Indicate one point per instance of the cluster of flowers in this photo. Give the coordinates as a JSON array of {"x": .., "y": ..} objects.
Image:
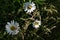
[{"x": 13, "y": 27}]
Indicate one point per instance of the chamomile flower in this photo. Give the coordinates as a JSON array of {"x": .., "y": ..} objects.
[
  {"x": 36, "y": 24},
  {"x": 29, "y": 7},
  {"x": 12, "y": 27}
]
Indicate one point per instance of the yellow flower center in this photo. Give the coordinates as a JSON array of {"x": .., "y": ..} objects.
[
  {"x": 29, "y": 7},
  {"x": 36, "y": 23},
  {"x": 12, "y": 28}
]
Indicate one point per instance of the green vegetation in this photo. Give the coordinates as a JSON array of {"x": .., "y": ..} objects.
[{"x": 48, "y": 10}]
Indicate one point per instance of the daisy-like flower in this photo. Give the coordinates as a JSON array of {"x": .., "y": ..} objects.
[
  {"x": 12, "y": 28},
  {"x": 29, "y": 7},
  {"x": 36, "y": 24}
]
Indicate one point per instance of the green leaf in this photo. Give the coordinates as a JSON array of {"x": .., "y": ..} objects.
[
  {"x": 40, "y": 1},
  {"x": 17, "y": 0}
]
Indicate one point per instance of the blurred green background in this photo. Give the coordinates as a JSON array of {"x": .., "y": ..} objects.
[{"x": 13, "y": 10}]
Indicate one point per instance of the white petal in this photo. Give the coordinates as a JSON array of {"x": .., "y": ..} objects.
[
  {"x": 40, "y": 23},
  {"x": 8, "y": 23},
  {"x": 36, "y": 26},
  {"x": 7, "y": 26},
  {"x": 8, "y": 30},
  {"x": 12, "y": 22},
  {"x": 16, "y": 32},
  {"x": 16, "y": 24},
  {"x": 33, "y": 4},
  {"x": 25, "y": 9},
  {"x": 34, "y": 7},
  {"x": 28, "y": 11}
]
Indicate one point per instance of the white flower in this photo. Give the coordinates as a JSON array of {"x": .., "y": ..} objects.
[
  {"x": 36, "y": 24},
  {"x": 12, "y": 28},
  {"x": 29, "y": 7}
]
